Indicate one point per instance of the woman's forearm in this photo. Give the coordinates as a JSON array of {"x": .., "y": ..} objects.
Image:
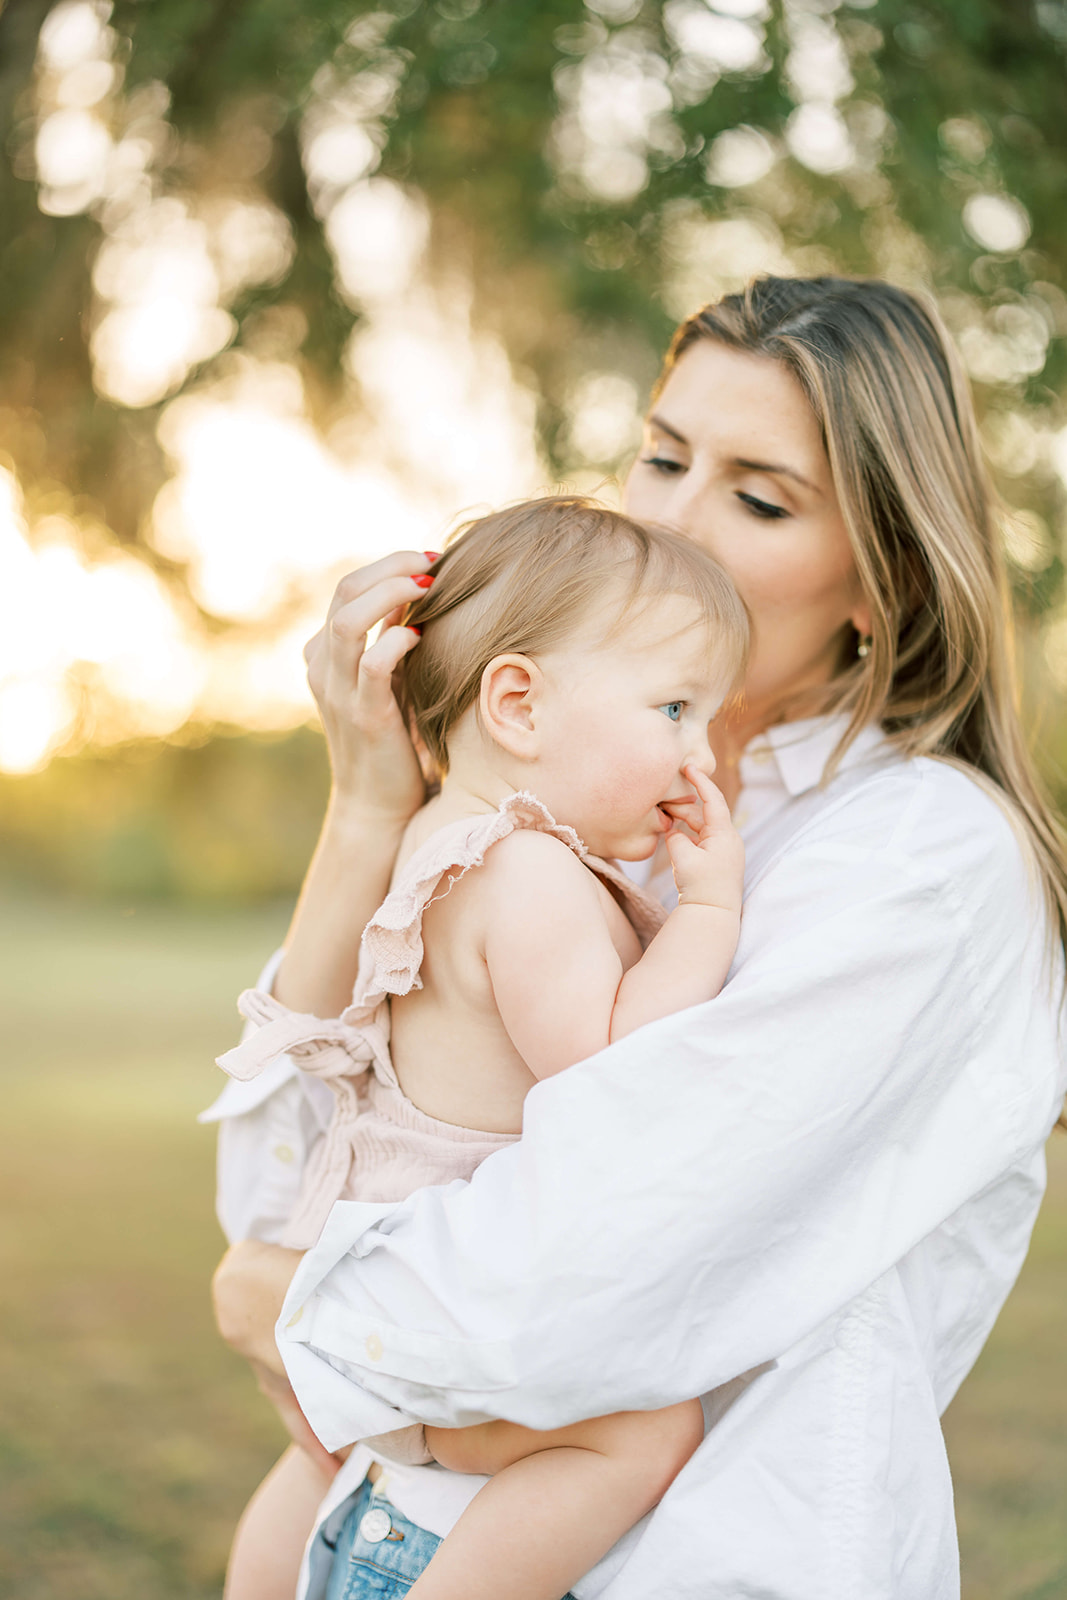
[
  {"x": 378, "y": 783},
  {"x": 248, "y": 1289},
  {"x": 346, "y": 882}
]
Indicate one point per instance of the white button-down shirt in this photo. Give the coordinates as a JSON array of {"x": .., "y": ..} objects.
[{"x": 805, "y": 1201}]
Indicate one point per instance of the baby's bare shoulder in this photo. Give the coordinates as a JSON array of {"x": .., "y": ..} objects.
[
  {"x": 529, "y": 863},
  {"x": 528, "y": 849}
]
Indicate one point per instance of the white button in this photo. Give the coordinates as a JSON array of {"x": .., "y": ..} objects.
[
  {"x": 376, "y": 1525},
  {"x": 283, "y": 1153},
  {"x": 373, "y": 1346},
  {"x": 295, "y": 1318}
]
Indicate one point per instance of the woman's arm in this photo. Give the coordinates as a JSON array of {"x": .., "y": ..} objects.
[
  {"x": 886, "y": 1050},
  {"x": 377, "y": 783},
  {"x": 249, "y": 1286},
  {"x": 268, "y": 1127}
]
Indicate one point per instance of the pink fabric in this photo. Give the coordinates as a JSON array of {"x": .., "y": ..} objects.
[{"x": 380, "y": 1145}]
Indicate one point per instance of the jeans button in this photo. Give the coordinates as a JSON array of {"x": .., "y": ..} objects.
[{"x": 375, "y": 1525}]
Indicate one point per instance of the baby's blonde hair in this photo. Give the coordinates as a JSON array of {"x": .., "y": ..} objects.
[{"x": 526, "y": 579}]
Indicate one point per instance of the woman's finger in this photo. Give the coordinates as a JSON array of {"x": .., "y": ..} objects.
[
  {"x": 371, "y": 755},
  {"x": 374, "y": 683},
  {"x": 315, "y": 661},
  {"x": 333, "y": 656},
  {"x": 398, "y": 564},
  {"x": 358, "y": 616}
]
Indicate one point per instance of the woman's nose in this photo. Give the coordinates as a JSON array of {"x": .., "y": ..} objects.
[
  {"x": 690, "y": 511},
  {"x": 680, "y": 503}
]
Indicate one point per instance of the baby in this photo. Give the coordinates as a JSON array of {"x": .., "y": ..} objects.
[{"x": 569, "y": 663}]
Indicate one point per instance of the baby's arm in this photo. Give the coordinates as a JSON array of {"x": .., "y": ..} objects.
[
  {"x": 553, "y": 965},
  {"x": 558, "y": 979},
  {"x": 689, "y": 958}
]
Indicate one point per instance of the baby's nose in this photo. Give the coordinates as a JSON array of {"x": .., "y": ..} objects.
[{"x": 703, "y": 757}]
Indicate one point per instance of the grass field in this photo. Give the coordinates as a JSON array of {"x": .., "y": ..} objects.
[{"x": 129, "y": 1438}]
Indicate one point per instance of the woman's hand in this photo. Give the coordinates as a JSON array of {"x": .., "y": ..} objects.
[
  {"x": 377, "y": 782},
  {"x": 376, "y": 772},
  {"x": 280, "y": 1394},
  {"x": 249, "y": 1288}
]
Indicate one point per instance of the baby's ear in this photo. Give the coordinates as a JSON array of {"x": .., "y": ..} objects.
[{"x": 511, "y": 687}]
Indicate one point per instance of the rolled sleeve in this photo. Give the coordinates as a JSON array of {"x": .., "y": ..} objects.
[{"x": 267, "y": 1128}]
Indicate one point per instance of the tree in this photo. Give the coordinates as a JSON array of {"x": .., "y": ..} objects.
[{"x": 590, "y": 170}]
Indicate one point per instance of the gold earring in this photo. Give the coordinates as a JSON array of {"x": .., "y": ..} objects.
[{"x": 863, "y": 649}]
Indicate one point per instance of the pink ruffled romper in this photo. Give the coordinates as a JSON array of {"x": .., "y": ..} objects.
[{"x": 379, "y": 1144}]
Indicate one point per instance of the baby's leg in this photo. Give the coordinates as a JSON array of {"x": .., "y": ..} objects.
[
  {"x": 274, "y": 1528},
  {"x": 557, "y": 1502}
]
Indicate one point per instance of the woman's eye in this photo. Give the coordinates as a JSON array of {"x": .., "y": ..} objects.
[
  {"x": 664, "y": 464},
  {"x": 761, "y": 508},
  {"x": 673, "y": 709}
]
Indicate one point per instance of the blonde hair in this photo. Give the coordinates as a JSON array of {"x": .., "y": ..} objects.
[
  {"x": 897, "y": 419},
  {"x": 525, "y": 580}
]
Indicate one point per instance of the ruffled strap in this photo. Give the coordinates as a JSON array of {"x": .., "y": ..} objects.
[
  {"x": 338, "y": 1051},
  {"x": 392, "y": 946}
]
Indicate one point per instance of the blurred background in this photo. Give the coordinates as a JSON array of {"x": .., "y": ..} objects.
[{"x": 283, "y": 287}]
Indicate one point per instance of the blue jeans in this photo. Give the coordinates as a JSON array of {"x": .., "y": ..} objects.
[{"x": 379, "y": 1567}]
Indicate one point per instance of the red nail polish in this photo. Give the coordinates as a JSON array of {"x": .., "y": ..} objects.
[
  {"x": 414, "y": 628},
  {"x": 432, "y": 555},
  {"x": 423, "y": 580}
]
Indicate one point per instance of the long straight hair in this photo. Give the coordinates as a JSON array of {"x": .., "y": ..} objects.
[{"x": 886, "y": 386}]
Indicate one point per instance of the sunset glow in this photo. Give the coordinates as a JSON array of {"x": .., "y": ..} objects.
[{"x": 271, "y": 492}]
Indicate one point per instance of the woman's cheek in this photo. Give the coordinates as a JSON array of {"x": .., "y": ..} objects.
[{"x": 787, "y": 640}]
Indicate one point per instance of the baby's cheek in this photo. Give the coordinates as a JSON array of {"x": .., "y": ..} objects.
[{"x": 634, "y": 788}]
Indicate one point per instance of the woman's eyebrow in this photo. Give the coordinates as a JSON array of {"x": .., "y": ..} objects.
[
  {"x": 785, "y": 472},
  {"x": 656, "y": 421}
]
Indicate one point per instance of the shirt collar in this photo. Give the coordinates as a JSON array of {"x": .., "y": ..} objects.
[{"x": 801, "y": 750}]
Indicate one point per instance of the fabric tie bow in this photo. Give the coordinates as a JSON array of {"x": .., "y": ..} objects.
[{"x": 335, "y": 1050}]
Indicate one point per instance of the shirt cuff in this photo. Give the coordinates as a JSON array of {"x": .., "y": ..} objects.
[
  {"x": 310, "y": 1325},
  {"x": 352, "y": 1369}
]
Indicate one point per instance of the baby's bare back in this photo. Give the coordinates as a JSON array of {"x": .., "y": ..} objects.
[{"x": 454, "y": 1056}]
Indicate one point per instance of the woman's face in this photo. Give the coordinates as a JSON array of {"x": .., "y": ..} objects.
[{"x": 732, "y": 458}]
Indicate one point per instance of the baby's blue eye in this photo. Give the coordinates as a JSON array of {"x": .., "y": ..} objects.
[{"x": 673, "y": 709}]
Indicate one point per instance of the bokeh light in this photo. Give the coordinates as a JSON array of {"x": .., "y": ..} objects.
[
  {"x": 270, "y": 492},
  {"x": 95, "y": 648},
  {"x": 258, "y": 503},
  {"x": 997, "y": 221}
]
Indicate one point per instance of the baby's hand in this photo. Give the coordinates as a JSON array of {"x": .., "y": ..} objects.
[{"x": 711, "y": 870}]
